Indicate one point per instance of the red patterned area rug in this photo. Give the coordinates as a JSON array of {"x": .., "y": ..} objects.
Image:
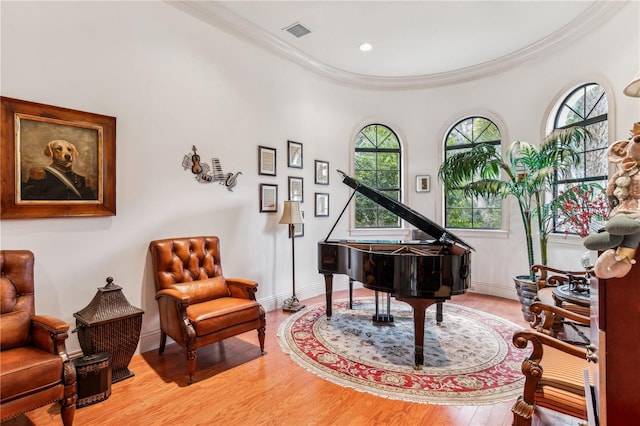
[{"x": 469, "y": 358}]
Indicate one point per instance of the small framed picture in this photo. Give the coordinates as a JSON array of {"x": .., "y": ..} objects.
[
  {"x": 266, "y": 161},
  {"x": 298, "y": 228},
  {"x": 296, "y": 191},
  {"x": 295, "y": 154},
  {"x": 423, "y": 183},
  {"x": 322, "y": 204},
  {"x": 268, "y": 198},
  {"x": 322, "y": 173}
]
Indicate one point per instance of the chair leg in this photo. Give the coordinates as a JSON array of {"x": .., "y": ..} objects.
[
  {"x": 261, "y": 333},
  {"x": 191, "y": 364},
  {"x": 522, "y": 413},
  {"x": 163, "y": 342},
  {"x": 68, "y": 413},
  {"x": 70, "y": 394}
]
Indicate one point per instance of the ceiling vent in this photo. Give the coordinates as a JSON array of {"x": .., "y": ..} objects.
[{"x": 297, "y": 29}]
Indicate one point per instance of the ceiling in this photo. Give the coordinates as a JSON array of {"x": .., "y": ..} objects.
[{"x": 415, "y": 43}]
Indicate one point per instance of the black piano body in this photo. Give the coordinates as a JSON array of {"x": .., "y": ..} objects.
[{"x": 419, "y": 273}]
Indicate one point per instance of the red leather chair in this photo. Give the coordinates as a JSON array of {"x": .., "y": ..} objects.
[
  {"x": 197, "y": 304},
  {"x": 35, "y": 369}
]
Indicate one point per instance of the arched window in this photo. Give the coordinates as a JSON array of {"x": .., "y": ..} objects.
[
  {"x": 377, "y": 164},
  {"x": 460, "y": 211},
  {"x": 584, "y": 106}
]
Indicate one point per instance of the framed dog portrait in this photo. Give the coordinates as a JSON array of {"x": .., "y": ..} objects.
[{"x": 56, "y": 162}]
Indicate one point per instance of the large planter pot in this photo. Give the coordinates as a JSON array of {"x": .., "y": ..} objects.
[{"x": 527, "y": 292}]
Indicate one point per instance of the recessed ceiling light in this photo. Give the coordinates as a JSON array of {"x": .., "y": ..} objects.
[{"x": 365, "y": 47}]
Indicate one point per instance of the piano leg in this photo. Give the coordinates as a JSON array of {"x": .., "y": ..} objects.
[
  {"x": 419, "y": 307},
  {"x": 439, "y": 313},
  {"x": 350, "y": 293},
  {"x": 328, "y": 289}
]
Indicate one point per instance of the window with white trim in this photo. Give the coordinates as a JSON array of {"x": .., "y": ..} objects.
[
  {"x": 585, "y": 106},
  {"x": 377, "y": 164},
  {"x": 477, "y": 212}
]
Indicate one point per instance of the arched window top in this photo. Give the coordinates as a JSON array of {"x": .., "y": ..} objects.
[
  {"x": 472, "y": 131},
  {"x": 377, "y": 136},
  {"x": 584, "y": 105}
]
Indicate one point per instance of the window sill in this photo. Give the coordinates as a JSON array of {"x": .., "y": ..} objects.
[
  {"x": 480, "y": 233},
  {"x": 384, "y": 233},
  {"x": 573, "y": 240}
]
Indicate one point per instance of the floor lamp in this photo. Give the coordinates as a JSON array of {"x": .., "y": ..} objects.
[{"x": 292, "y": 217}]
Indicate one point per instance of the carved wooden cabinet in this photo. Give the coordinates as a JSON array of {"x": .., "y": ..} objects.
[{"x": 615, "y": 331}]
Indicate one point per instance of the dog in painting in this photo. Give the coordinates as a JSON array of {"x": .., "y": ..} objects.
[{"x": 57, "y": 181}]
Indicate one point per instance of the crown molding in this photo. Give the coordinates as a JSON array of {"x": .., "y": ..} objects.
[{"x": 215, "y": 14}]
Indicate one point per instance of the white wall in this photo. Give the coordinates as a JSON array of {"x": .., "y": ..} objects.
[{"x": 172, "y": 81}]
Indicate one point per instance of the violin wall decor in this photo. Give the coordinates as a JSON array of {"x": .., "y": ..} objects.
[{"x": 206, "y": 173}]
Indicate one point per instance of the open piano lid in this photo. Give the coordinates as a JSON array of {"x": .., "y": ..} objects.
[{"x": 404, "y": 212}]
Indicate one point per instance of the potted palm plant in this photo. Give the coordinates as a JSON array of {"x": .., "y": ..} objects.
[{"x": 526, "y": 173}]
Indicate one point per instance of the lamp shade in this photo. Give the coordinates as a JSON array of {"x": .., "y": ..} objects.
[
  {"x": 633, "y": 88},
  {"x": 291, "y": 213}
]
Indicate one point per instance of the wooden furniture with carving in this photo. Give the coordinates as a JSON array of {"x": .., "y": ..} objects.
[
  {"x": 198, "y": 305},
  {"x": 572, "y": 329},
  {"x": 35, "y": 369},
  {"x": 615, "y": 332},
  {"x": 553, "y": 282},
  {"x": 552, "y": 278},
  {"x": 554, "y": 371}
]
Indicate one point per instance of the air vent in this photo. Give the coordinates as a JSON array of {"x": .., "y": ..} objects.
[{"x": 297, "y": 29}]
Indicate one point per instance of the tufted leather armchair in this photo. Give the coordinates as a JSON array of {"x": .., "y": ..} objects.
[
  {"x": 197, "y": 304},
  {"x": 35, "y": 369}
]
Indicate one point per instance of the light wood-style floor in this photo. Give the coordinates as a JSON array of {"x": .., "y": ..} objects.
[{"x": 234, "y": 385}]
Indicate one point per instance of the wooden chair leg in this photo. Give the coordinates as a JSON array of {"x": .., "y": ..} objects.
[
  {"x": 261, "y": 334},
  {"x": 163, "y": 342},
  {"x": 68, "y": 413},
  {"x": 522, "y": 412},
  {"x": 191, "y": 364},
  {"x": 70, "y": 394}
]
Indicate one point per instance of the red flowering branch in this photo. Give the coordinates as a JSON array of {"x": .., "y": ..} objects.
[{"x": 582, "y": 210}]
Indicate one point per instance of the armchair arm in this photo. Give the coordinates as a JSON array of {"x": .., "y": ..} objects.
[
  {"x": 538, "y": 307},
  {"x": 539, "y": 340},
  {"x": 545, "y": 323},
  {"x": 555, "y": 280},
  {"x": 242, "y": 288},
  {"x": 174, "y": 322},
  {"x": 49, "y": 334},
  {"x": 173, "y": 294}
]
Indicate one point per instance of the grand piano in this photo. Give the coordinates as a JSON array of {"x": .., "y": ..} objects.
[{"x": 418, "y": 272}]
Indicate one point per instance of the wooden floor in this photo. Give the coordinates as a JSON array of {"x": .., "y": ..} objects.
[{"x": 234, "y": 385}]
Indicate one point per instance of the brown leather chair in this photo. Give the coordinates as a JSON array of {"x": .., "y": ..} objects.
[
  {"x": 197, "y": 304},
  {"x": 35, "y": 369},
  {"x": 554, "y": 372}
]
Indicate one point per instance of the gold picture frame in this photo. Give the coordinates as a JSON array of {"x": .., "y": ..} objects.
[{"x": 56, "y": 162}]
